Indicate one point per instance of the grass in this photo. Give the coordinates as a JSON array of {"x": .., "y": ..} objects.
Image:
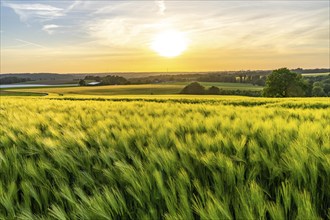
[
  {"x": 156, "y": 89},
  {"x": 51, "y": 82},
  {"x": 315, "y": 74},
  {"x": 19, "y": 93},
  {"x": 109, "y": 90},
  {"x": 167, "y": 157},
  {"x": 224, "y": 85}
]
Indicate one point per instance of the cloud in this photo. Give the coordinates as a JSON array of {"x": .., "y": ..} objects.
[
  {"x": 35, "y": 11},
  {"x": 28, "y": 43},
  {"x": 116, "y": 32},
  {"x": 259, "y": 29},
  {"x": 50, "y": 28},
  {"x": 161, "y": 6},
  {"x": 72, "y": 6}
]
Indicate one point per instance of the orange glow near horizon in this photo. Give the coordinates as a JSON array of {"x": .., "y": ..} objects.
[
  {"x": 148, "y": 61},
  {"x": 172, "y": 36}
]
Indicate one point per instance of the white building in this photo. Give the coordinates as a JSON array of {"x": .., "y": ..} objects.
[{"x": 93, "y": 83}]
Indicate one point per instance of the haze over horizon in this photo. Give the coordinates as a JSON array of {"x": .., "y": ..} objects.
[{"x": 129, "y": 36}]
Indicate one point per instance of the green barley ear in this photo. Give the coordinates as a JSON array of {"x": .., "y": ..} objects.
[
  {"x": 275, "y": 211},
  {"x": 26, "y": 215},
  {"x": 58, "y": 213}
]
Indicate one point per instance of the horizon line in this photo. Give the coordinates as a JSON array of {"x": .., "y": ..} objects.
[{"x": 139, "y": 72}]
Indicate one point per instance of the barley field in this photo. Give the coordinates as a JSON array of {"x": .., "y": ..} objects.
[{"x": 183, "y": 157}]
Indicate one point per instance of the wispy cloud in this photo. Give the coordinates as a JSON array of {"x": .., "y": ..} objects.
[
  {"x": 252, "y": 31},
  {"x": 28, "y": 43},
  {"x": 72, "y": 6},
  {"x": 35, "y": 11},
  {"x": 119, "y": 32},
  {"x": 50, "y": 28},
  {"x": 161, "y": 6}
]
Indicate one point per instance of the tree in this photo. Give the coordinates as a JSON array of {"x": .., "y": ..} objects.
[
  {"x": 94, "y": 78},
  {"x": 284, "y": 83},
  {"x": 213, "y": 90},
  {"x": 318, "y": 91},
  {"x": 193, "y": 88},
  {"x": 82, "y": 82},
  {"x": 114, "y": 80},
  {"x": 258, "y": 80},
  {"x": 326, "y": 88}
]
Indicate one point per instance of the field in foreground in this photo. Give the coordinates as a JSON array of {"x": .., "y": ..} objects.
[{"x": 164, "y": 158}]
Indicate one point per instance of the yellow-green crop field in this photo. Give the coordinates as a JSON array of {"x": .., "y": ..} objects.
[{"x": 179, "y": 157}]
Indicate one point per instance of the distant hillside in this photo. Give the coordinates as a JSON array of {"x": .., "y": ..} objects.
[
  {"x": 300, "y": 70},
  {"x": 42, "y": 76},
  {"x": 155, "y": 77}
]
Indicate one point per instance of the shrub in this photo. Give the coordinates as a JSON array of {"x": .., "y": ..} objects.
[
  {"x": 193, "y": 88},
  {"x": 213, "y": 90}
]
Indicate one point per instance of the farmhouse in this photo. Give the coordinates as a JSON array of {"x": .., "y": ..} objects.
[{"x": 93, "y": 83}]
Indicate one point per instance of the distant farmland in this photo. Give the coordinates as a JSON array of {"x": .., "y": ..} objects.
[
  {"x": 160, "y": 89},
  {"x": 315, "y": 74}
]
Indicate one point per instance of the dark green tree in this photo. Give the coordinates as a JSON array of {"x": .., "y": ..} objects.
[
  {"x": 284, "y": 83},
  {"x": 326, "y": 88},
  {"x": 318, "y": 91},
  {"x": 114, "y": 80},
  {"x": 193, "y": 88},
  {"x": 261, "y": 81},
  {"x": 213, "y": 90},
  {"x": 82, "y": 82}
]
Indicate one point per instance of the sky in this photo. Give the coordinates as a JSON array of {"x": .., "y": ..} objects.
[{"x": 116, "y": 36}]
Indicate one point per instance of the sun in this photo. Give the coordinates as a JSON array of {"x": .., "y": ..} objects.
[{"x": 169, "y": 43}]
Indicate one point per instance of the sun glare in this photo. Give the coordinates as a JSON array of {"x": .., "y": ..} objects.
[{"x": 169, "y": 43}]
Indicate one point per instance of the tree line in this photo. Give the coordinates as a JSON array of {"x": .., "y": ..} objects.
[
  {"x": 280, "y": 83},
  {"x": 253, "y": 77},
  {"x": 107, "y": 80},
  {"x": 12, "y": 80},
  {"x": 198, "y": 89},
  {"x": 285, "y": 83}
]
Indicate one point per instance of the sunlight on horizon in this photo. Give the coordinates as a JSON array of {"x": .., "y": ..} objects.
[
  {"x": 169, "y": 44},
  {"x": 100, "y": 36}
]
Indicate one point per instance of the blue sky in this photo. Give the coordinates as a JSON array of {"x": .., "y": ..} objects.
[{"x": 99, "y": 36}]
